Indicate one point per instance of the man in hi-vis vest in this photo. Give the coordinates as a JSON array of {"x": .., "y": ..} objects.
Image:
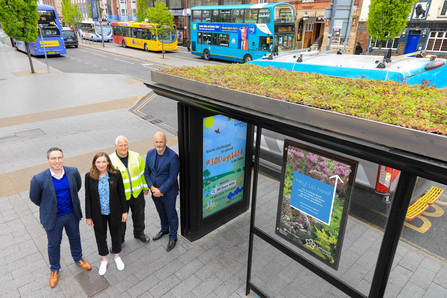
[{"x": 131, "y": 166}]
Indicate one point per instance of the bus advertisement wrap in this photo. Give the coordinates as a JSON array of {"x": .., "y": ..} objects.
[
  {"x": 315, "y": 190},
  {"x": 224, "y": 147}
]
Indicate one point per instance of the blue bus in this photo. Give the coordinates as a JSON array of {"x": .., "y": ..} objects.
[
  {"x": 241, "y": 33},
  {"x": 51, "y": 31}
]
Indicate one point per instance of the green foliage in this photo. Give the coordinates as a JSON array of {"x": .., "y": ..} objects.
[
  {"x": 418, "y": 107},
  {"x": 206, "y": 173},
  {"x": 142, "y": 6},
  {"x": 19, "y": 19},
  {"x": 90, "y": 11},
  {"x": 72, "y": 17},
  {"x": 163, "y": 20},
  {"x": 387, "y": 18},
  {"x": 327, "y": 243}
]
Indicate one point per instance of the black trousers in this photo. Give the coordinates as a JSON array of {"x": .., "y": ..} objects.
[
  {"x": 101, "y": 236},
  {"x": 136, "y": 206}
]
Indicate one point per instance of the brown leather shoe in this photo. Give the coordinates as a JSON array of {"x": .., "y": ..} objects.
[
  {"x": 84, "y": 264},
  {"x": 54, "y": 278}
]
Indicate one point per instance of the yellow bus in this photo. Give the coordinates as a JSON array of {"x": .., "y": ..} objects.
[{"x": 143, "y": 36}]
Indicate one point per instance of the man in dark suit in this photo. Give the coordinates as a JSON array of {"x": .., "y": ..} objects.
[
  {"x": 162, "y": 168},
  {"x": 55, "y": 191}
]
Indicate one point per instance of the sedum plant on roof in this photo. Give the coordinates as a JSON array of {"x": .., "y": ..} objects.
[{"x": 417, "y": 107}]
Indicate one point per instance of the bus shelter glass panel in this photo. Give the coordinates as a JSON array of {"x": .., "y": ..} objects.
[
  {"x": 420, "y": 267},
  {"x": 293, "y": 208}
]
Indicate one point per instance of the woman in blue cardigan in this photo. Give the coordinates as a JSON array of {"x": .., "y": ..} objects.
[{"x": 105, "y": 204}]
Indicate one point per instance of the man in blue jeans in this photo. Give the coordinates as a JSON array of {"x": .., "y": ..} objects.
[{"x": 55, "y": 191}]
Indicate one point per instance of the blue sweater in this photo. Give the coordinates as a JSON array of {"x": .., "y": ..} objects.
[{"x": 64, "y": 203}]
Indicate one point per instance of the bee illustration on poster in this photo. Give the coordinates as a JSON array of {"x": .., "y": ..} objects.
[{"x": 316, "y": 187}]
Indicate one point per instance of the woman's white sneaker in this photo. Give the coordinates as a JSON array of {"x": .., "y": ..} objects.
[
  {"x": 119, "y": 264},
  {"x": 103, "y": 268}
]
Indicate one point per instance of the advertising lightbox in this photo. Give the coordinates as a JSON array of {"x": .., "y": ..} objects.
[
  {"x": 315, "y": 190},
  {"x": 224, "y": 149}
]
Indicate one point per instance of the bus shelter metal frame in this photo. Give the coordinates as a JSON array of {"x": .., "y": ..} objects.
[{"x": 411, "y": 165}]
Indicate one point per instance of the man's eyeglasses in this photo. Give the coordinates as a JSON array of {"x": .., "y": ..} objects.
[{"x": 56, "y": 158}]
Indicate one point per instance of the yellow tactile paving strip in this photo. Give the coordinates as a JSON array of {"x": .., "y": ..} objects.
[
  {"x": 116, "y": 104},
  {"x": 18, "y": 181}
]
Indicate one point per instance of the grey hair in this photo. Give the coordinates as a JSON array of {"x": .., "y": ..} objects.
[{"x": 119, "y": 137}]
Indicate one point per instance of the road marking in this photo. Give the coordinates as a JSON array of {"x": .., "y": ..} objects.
[
  {"x": 438, "y": 211},
  {"x": 99, "y": 54},
  {"x": 426, "y": 224},
  {"x": 82, "y": 50},
  {"x": 137, "y": 109},
  {"x": 124, "y": 61},
  {"x": 150, "y": 67}
]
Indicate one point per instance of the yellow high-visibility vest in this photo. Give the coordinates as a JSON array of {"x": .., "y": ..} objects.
[{"x": 133, "y": 175}]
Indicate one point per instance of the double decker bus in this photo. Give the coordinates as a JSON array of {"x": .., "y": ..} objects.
[
  {"x": 49, "y": 33},
  {"x": 143, "y": 36},
  {"x": 241, "y": 33},
  {"x": 92, "y": 31}
]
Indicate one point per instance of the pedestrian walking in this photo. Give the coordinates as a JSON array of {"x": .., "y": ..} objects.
[
  {"x": 358, "y": 49},
  {"x": 105, "y": 204},
  {"x": 55, "y": 191},
  {"x": 131, "y": 166},
  {"x": 162, "y": 168}
]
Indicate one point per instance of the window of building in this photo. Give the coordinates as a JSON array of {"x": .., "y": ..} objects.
[
  {"x": 444, "y": 9},
  {"x": 437, "y": 41},
  {"x": 210, "y": 2},
  {"x": 387, "y": 44},
  {"x": 309, "y": 27},
  {"x": 175, "y": 3},
  {"x": 194, "y": 3}
]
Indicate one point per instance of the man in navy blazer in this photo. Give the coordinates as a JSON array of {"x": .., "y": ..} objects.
[
  {"x": 162, "y": 168},
  {"x": 55, "y": 191}
]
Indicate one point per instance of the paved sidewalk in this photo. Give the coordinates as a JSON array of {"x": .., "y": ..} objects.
[{"x": 37, "y": 113}]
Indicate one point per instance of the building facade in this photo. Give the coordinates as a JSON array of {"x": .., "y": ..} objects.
[{"x": 426, "y": 30}]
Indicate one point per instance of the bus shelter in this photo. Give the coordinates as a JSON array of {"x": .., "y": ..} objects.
[{"x": 335, "y": 139}]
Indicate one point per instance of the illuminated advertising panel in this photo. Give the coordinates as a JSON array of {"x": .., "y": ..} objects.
[{"x": 224, "y": 148}]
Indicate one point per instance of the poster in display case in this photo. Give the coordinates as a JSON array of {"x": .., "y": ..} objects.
[{"x": 315, "y": 190}]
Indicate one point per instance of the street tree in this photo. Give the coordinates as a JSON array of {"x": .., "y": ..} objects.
[
  {"x": 19, "y": 19},
  {"x": 72, "y": 16},
  {"x": 387, "y": 19},
  {"x": 142, "y": 5},
  {"x": 163, "y": 20}
]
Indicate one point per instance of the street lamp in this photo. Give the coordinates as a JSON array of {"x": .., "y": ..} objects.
[{"x": 305, "y": 16}]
